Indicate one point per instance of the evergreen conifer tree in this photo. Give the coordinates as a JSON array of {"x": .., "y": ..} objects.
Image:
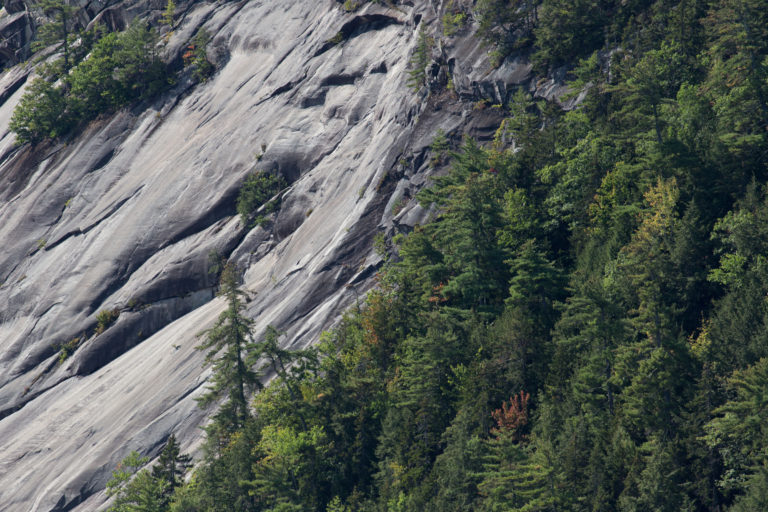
[
  {"x": 170, "y": 467},
  {"x": 229, "y": 344},
  {"x": 60, "y": 28}
]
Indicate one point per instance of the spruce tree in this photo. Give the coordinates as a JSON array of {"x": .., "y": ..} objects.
[
  {"x": 170, "y": 467},
  {"x": 419, "y": 60},
  {"x": 60, "y": 28},
  {"x": 132, "y": 491},
  {"x": 228, "y": 344}
]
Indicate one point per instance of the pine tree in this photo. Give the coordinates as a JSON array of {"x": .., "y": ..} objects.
[
  {"x": 505, "y": 24},
  {"x": 132, "y": 491},
  {"x": 536, "y": 284},
  {"x": 567, "y": 29},
  {"x": 458, "y": 259},
  {"x": 657, "y": 486},
  {"x": 168, "y": 14},
  {"x": 417, "y": 76},
  {"x": 586, "y": 336},
  {"x": 654, "y": 367},
  {"x": 290, "y": 366},
  {"x": 736, "y": 59},
  {"x": 41, "y": 113},
  {"x": 420, "y": 407},
  {"x": 515, "y": 478},
  {"x": 740, "y": 430},
  {"x": 229, "y": 345},
  {"x": 170, "y": 467},
  {"x": 60, "y": 28},
  {"x": 654, "y": 79},
  {"x": 456, "y": 469}
]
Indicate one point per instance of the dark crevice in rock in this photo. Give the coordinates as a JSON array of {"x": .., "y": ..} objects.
[
  {"x": 12, "y": 88},
  {"x": 335, "y": 80},
  {"x": 28, "y": 397},
  {"x": 162, "y": 304},
  {"x": 357, "y": 26},
  {"x": 359, "y": 240},
  {"x": 16, "y": 31},
  {"x": 65, "y": 506},
  {"x": 324, "y": 281},
  {"x": 224, "y": 207},
  {"x": 365, "y": 274},
  {"x": 104, "y": 160},
  {"x": 133, "y": 328},
  {"x": 16, "y": 176},
  {"x": 4, "y": 278},
  {"x": 82, "y": 231},
  {"x": 151, "y": 317},
  {"x": 283, "y": 89},
  {"x": 381, "y": 68},
  {"x": 315, "y": 100},
  {"x": 286, "y": 87},
  {"x": 346, "y": 261}
]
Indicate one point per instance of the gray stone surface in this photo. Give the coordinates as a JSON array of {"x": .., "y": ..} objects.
[{"x": 126, "y": 215}]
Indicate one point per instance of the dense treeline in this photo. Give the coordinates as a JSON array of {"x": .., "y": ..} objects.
[{"x": 582, "y": 327}]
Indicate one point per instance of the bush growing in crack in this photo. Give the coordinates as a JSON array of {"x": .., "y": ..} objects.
[
  {"x": 258, "y": 190},
  {"x": 351, "y": 5},
  {"x": 105, "y": 318},
  {"x": 68, "y": 348},
  {"x": 196, "y": 56},
  {"x": 398, "y": 206},
  {"x": 454, "y": 19},
  {"x": 439, "y": 147}
]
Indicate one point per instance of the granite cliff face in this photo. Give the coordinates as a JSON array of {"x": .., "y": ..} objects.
[{"x": 125, "y": 216}]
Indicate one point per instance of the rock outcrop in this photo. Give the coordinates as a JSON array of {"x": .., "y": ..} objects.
[{"x": 126, "y": 217}]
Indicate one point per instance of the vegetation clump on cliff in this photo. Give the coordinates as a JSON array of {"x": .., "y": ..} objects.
[
  {"x": 97, "y": 72},
  {"x": 120, "y": 68}
]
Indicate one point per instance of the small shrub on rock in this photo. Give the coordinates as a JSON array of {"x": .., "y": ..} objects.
[
  {"x": 257, "y": 190},
  {"x": 105, "y": 318}
]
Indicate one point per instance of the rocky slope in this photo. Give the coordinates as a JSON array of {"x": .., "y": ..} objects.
[{"x": 126, "y": 215}]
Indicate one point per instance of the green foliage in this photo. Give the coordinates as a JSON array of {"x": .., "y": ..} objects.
[
  {"x": 351, "y": 5},
  {"x": 196, "y": 56},
  {"x": 230, "y": 350},
  {"x": 169, "y": 470},
  {"x": 258, "y": 190},
  {"x": 41, "y": 113},
  {"x": 438, "y": 147},
  {"x": 105, "y": 318},
  {"x": 170, "y": 11},
  {"x": 505, "y": 25},
  {"x": 68, "y": 348},
  {"x": 739, "y": 430},
  {"x": 59, "y": 30},
  {"x": 567, "y": 30},
  {"x": 147, "y": 490},
  {"x": 288, "y": 459},
  {"x": 417, "y": 76},
  {"x": 134, "y": 491},
  {"x": 454, "y": 19},
  {"x": 121, "y": 68}
]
